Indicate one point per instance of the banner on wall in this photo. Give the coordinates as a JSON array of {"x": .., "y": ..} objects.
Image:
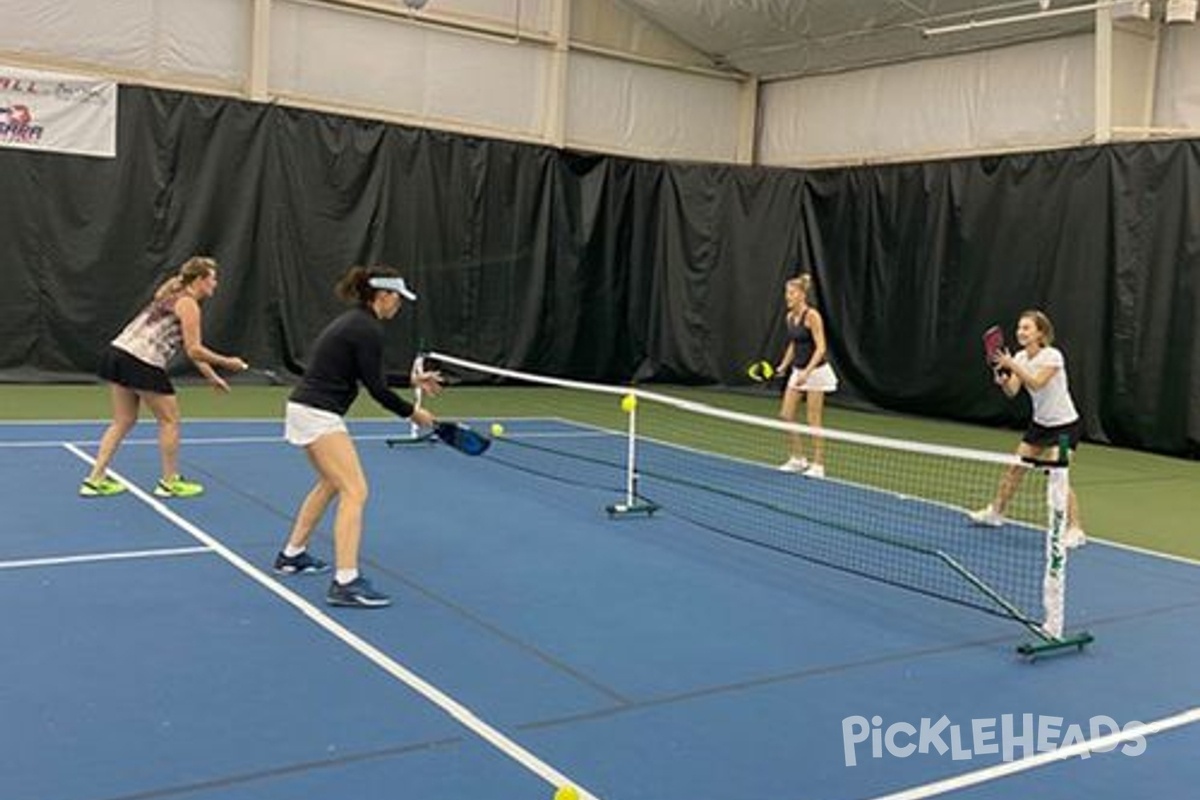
[{"x": 57, "y": 112}]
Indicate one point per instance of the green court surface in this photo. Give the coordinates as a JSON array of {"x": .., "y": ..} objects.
[{"x": 1135, "y": 498}]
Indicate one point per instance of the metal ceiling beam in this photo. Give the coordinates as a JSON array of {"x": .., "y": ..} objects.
[{"x": 992, "y": 22}]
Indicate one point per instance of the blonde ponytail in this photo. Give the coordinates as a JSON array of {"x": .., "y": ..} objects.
[
  {"x": 193, "y": 269},
  {"x": 172, "y": 285}
]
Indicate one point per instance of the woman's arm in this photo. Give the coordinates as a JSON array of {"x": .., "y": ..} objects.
[
  {"x": 1022, "y": 375},
  {"x": 369, "y": 355},
  {"x": 188, "y": 311},
  {"x": 789, "y": 353},
  {"x": 1009, "y": 383}
]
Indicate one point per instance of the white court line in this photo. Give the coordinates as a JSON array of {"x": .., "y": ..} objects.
[
  {"x": 1100, "y": 745},
  {"x": 89, "y": 558},
  {"x": 54, "y": 423},
  {"x": 452, "y": 707},
  {"x": 277, "y": 420},
  {"x": 36, "y": 443},
  {"x": 1145, "y": 551}
]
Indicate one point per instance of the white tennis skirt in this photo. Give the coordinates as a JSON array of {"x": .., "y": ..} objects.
[
  {"x": 821, "y": 379},
  {"x": 303, "y": 424}
]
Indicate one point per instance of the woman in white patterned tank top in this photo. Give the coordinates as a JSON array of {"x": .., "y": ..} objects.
[{"x": 135, "y": 366}]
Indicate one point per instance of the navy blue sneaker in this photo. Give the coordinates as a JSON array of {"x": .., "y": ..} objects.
[
  {"x": 299, "y": 564},
  {"x": 358, "y": 593}
]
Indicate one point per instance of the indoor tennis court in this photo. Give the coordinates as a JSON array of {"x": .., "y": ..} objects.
[{"x": 770, "y": 399}]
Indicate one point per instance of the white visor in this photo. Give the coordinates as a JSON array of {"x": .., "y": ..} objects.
[{"x": 396, "y": 285}]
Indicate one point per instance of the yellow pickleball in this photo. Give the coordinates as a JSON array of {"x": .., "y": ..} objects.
[
  {"x": 629, "y": 403},
  {"x": 566, "y": 792},
  {"x": 497, "y": 430}
]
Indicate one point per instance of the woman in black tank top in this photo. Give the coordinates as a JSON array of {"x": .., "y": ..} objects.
[{"x": 809, "y": 377}]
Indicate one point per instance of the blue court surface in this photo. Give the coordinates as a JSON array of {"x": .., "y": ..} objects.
[{"x": 150, "y": 652}]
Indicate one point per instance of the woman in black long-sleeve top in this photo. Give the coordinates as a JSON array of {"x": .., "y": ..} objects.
[{"x": 348, "y": 352}]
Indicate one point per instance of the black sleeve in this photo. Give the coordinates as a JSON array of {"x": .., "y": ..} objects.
[{"x": 370, "y": 370}]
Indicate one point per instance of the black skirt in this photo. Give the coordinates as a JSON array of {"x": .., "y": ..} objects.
[{"x": 123, "y": 369}]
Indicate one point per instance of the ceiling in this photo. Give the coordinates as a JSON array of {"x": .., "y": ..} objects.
[{"x": 788, "y": 38}]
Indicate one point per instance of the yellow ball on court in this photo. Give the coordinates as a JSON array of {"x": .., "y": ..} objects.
[
  {"x": 629, "y": 403},
  {"x": 497, "y": 429},
  {"x": 566, "y": 792}
]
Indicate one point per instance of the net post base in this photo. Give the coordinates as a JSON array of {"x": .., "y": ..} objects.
[
  {"x": 1033, "y": 650},
  {"x": 635, "y": 509}
]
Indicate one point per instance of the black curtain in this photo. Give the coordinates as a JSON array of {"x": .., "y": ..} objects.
[
  {"x": 915, "y": 260},
  {"x": 617, "y": 269}
]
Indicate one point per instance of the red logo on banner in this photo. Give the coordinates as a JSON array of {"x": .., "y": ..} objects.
[{"x": 16, "y": 124}]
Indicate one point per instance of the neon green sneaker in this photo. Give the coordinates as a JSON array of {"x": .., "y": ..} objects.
[
  {"x": 105, "y": 487},
  {"x": 176, "y": 486}
]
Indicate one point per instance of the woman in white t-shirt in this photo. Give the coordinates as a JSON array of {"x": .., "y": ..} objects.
[{"x": 1038, "y": 368}]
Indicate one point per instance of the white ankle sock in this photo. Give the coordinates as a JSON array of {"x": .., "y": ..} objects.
[
  {"x": 344, "y": 576},
  {"x": 291, "y": 551}
]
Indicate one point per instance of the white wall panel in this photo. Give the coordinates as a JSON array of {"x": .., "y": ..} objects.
[
  {"x": 160, "y": 39},
  {"x": 378, "y": 64},
  {"x": 1134, "y": 55},
  {"x": 483, "y": 82},
  {"x": 118, "y": 33},
  {"x": 1028, "y": 95},
  {"x": 211, "y": 39},
  {"x": 1177, "y": 95},
  {"x": 617, "y": 106},
  {"x": 619, "y": 28},
  {"x": 523, "y": 15}
]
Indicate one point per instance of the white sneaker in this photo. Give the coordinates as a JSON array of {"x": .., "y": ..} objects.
[
  {"x": 986, "y": 516},
  {"x": 815, "y": 471},
  {"x": 794, "y": 464},
  {"x": 1074, "y": 537}
]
